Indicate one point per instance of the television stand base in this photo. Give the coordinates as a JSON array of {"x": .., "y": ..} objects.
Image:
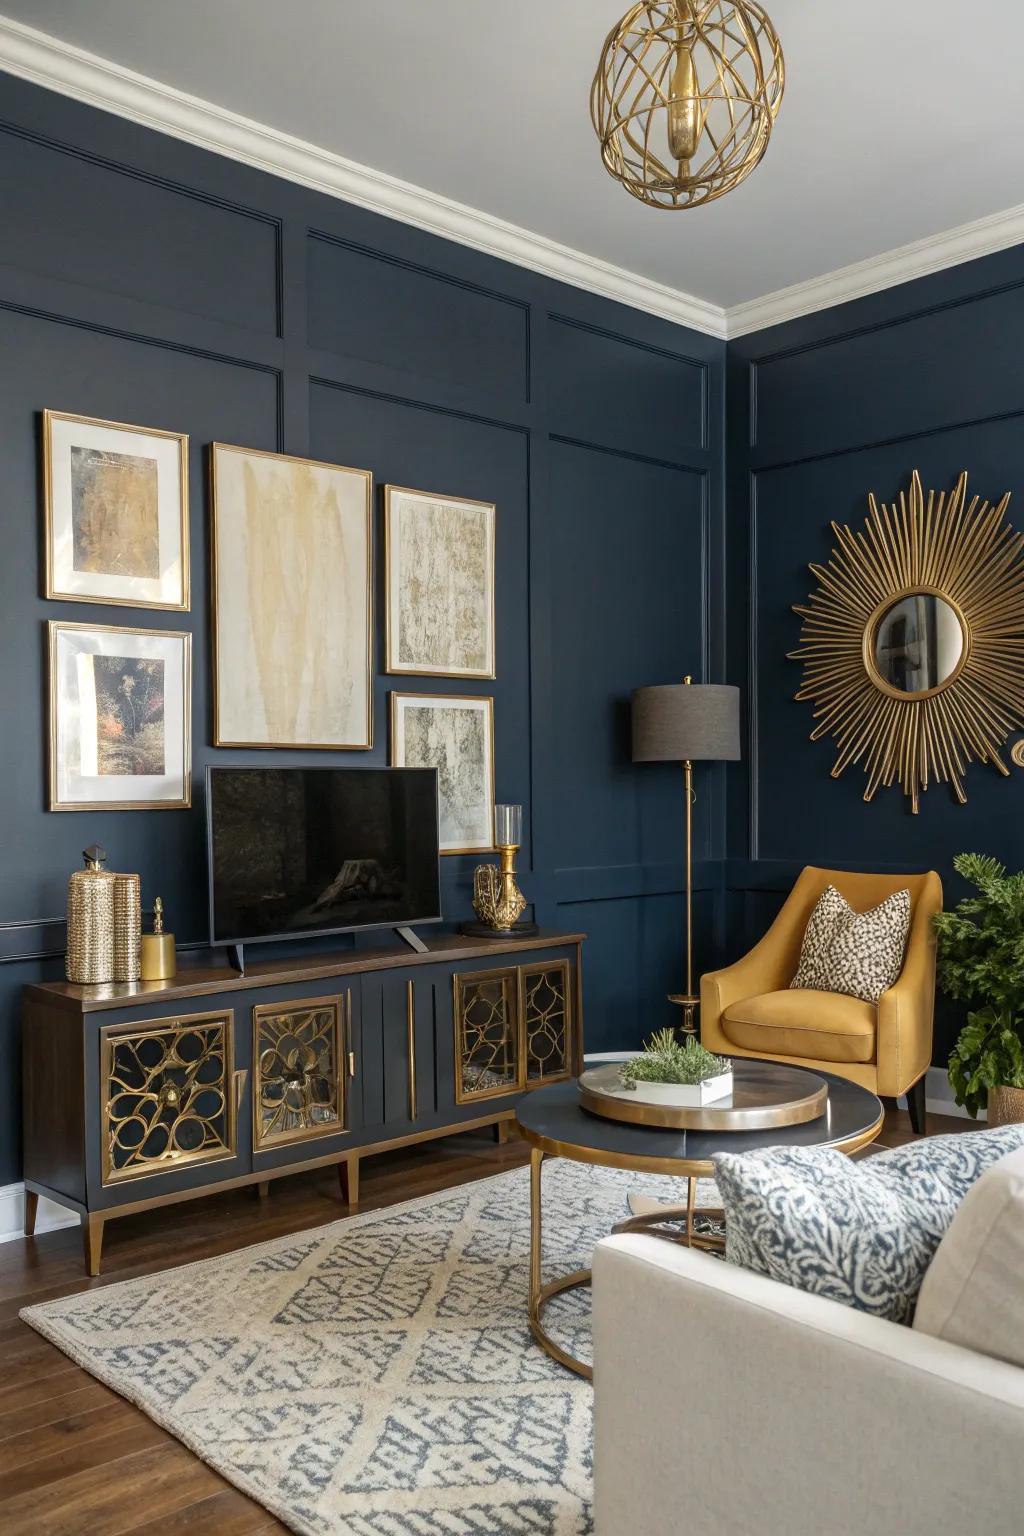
[
  {"x": 412, "y": 939},
  {"x": 236, "y": 957}
]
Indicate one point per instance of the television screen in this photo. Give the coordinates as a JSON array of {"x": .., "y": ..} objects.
[{"x": 296, "y": 851}]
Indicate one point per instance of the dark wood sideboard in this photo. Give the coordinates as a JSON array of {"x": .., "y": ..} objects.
[{"x": 142, "y": 1094}]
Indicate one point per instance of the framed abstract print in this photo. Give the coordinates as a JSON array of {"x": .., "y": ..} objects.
[
  {"x": 120, "y": 718},
  {"x": 439, "y": 559},
  {"x": 116, "y": 512},
  {"x": 292, "y": 602},
  {"x": 453, "y": 733}
]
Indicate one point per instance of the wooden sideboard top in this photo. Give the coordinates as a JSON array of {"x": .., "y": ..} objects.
[{"x": 193, "y": 981}]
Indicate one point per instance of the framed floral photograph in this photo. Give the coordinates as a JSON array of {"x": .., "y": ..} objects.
[
  {"x": 116, "y": 512},
  {"x": 453, "y": 733},
  {"x": 292, "y": 601},
  {"x": 120, "y": 718},
  {"x": 439, "y": 565}
]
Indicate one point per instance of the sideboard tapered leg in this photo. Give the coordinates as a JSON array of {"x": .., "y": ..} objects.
[
  {"x": 92, "y": 1241},
  {"x": 31, "y": 1206},
  {"x": 348, "y": 1178}
]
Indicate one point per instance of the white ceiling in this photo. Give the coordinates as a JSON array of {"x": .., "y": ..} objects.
[{"x": 900, "y": 118}]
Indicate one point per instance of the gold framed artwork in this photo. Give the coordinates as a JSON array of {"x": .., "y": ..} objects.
[
  {"x": 453, "y": 733},
  {"x": 120, "y": 705},
  {"x": 439, "y": 584},
  {"x": 292, "y": 580},
  {"x": 115, "y": 512}
]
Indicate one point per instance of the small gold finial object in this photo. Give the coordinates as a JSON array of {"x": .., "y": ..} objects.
[{"x": 159, "y": 961}]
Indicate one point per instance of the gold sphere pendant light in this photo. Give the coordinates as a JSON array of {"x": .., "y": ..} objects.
[{"x": 685, "y": 98}]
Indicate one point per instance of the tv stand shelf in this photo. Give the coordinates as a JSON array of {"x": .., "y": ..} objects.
[{"x": 141, "y": 1094}]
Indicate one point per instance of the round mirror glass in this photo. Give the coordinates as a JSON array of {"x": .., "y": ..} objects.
[{"x": 918, "y": 643}]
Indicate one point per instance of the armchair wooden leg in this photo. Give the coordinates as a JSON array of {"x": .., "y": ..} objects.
[{"x": 916, "y": 1107}]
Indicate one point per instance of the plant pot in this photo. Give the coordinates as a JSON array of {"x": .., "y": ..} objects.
[
  {"x": 1006, "y": 1106},
  {"x": 685, "y": 1095}
]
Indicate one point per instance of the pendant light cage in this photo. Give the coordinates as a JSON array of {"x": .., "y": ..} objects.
[{"x": 685, "y": 98}]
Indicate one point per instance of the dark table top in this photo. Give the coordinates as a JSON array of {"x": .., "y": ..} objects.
[{"x": 553, "y": 1120}]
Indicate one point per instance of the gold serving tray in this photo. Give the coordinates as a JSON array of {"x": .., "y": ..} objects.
[{"x": 764, "y": 1096}]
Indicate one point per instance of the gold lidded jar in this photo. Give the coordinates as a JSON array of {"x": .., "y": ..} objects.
[
  {"x": 90, "y": 927},
  {"x": 127, "y": 927}
]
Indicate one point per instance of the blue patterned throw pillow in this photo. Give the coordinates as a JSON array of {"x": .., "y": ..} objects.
[{"x": 862, "y": 1233}]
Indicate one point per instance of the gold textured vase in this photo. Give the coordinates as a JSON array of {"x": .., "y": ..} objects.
[
  {"x": 127, "y": 927},
  {"x": 1006, "y": 1106},
  {"x": 90, "y": 928}
]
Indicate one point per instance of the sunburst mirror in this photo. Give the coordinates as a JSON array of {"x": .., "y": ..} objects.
[{"x": 913, "y": 642}]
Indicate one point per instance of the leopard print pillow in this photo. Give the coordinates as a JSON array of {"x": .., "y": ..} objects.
[{"x": 859, "y": 953}]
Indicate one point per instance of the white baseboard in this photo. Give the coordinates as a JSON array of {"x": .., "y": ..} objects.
[{"x": 49, "y": 1216}]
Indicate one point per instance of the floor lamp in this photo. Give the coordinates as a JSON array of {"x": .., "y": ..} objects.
[{"x": 686, "y": 723}]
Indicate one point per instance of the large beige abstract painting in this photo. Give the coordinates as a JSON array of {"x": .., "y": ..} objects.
[{"x": 292, "y": 582}]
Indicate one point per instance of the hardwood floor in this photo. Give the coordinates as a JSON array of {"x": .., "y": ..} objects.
[{"x": 78, "y": 1460}]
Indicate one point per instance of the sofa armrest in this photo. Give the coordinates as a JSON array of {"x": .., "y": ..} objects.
[
  {"x": 726, "y": 1402},
  {"x": 906, "y": 1012}
]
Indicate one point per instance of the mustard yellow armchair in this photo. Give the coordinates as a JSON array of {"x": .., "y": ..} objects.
[{"x": 749, "y": 1009}]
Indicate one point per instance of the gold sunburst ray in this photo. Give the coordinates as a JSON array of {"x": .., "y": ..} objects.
[{"x": 960, "y": 552}]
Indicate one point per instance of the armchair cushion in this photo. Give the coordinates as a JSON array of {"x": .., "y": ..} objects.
[
  {"x": 860, "y": 953},
  {"x": 861, "y": 1233},
  {"x": 827, "y": 1026}
]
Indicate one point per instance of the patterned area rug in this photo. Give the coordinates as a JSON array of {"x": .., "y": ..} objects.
[{"x": 377, "y": 1376}]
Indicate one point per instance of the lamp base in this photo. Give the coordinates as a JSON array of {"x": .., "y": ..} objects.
[
  {"x": 689, "y": 1005},
  {"x": 485, "y": 931}
]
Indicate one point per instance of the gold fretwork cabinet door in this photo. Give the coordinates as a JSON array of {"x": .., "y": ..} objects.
[
  {"x": 546, "y": 1010},
  {"x": 169, "y": 1095},
  {"x": 488, "y": 1045},
  {"x": 299, "y": 1065}
]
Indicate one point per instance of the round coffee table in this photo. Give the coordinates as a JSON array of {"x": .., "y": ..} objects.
[{"x": 554, "y": 1124}]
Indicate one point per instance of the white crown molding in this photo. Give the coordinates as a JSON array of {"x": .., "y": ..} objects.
[
  {"x": 59, "y": 66},
  {"x": 950, "y": 248}
]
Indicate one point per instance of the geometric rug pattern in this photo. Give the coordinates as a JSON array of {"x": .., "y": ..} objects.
[{"x": 377, "y": 1376}]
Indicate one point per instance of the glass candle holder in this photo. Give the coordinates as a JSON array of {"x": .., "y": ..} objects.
[{"x": 508, "y": 826}]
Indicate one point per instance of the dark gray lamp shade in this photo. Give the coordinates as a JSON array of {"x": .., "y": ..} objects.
[{"x": 682, "y": 722}]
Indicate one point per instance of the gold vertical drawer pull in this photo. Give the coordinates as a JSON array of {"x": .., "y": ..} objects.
[
  {"x": 410, "y": 1028},
  {"x": 351, "y": 1057},
  {"x": 240, "y": 1079}
]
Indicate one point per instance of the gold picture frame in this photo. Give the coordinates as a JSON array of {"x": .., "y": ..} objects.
[
  {"x": 456, "y": 764},
  {"x": 86, "y": 517},
  {"x": 913, "y": 642},
  {"x": 280, "y": 687},
  {"x": 97, "y": 717},
  {"x": 398, "y": 599}
]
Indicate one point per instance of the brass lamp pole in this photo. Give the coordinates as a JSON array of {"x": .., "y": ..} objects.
[{"x": 686, "y": 723}]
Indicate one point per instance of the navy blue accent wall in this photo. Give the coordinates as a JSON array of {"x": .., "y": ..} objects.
[
  {"x": 820, "y": 411},
  {"x": 145, "y": 281}
]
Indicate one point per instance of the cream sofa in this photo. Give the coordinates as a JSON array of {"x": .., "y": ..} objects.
[{"x": 729, "y": 1404}]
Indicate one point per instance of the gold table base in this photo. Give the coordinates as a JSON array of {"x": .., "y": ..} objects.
[{"x": 659, "y": 1223}]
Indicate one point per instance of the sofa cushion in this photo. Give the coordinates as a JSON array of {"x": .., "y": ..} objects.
[
  {"x": 859, "y": 953},
  {"x": 973, "y": 1293},
  {"x": 861, "y": 1233},
  {"x": 826, "y": 1026}
]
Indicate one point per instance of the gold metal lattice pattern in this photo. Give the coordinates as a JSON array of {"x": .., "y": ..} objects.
[
  {"x": 970, "y": 558},
  {"x": 487, "y": 1035},
  {"x": 546, "y": 1021},
  {"x": 167, "y": 1096},
  {"x": 297, "y": 1085},
  {"x": 685, "y": 97}
]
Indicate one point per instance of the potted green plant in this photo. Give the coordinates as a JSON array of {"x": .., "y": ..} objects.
[
  {"x": 666, "y": 1072},
  {"x": 981, "y": 961}
]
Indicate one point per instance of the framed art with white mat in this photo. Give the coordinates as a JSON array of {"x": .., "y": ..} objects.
[
  {"x": 120, "y": 705},
  {"x": 439, "y": 584},
  {"x": 453, "y": 733},
  {"x": 116, "y": 512}
]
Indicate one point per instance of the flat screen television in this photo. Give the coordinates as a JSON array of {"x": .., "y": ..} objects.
[{"x": 297, "y": 852}]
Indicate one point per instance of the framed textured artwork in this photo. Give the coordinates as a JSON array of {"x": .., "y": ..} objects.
[
  {"x": 292, "y": 601},
  {"x": 120, "y": 718},
  {"x": 116, "y": 512},
  {"x": 439, "y": 560},
  {"x": 453, "y": 733}
]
